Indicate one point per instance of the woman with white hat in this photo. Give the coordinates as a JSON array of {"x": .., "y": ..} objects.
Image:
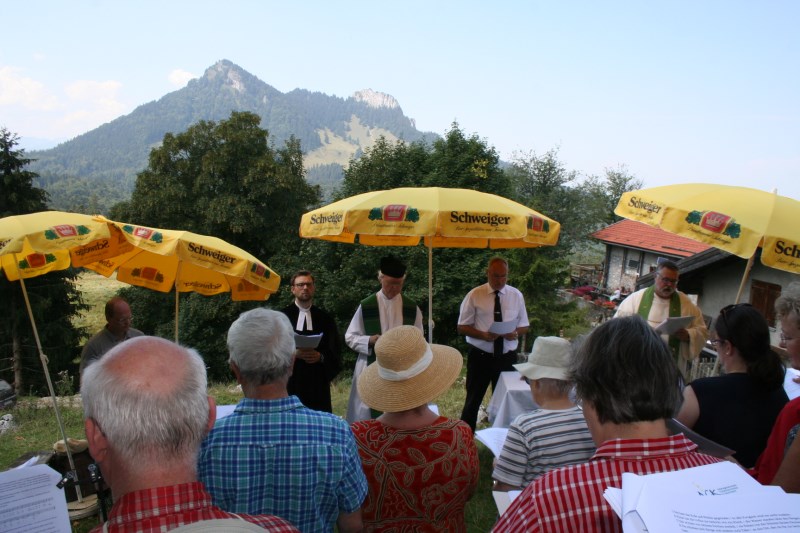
[{"x": 421, "y": 467}]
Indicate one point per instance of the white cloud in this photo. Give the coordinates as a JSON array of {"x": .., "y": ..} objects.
[
  {"x": 91, "y": 103},
  {"x": 17, "y": 90},
  {"x": 179, "y": 77}
]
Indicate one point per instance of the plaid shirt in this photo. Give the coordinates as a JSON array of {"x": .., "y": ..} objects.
[
  {"x": 164, "y": 508},
  {"x": 571, "y": 498},
  {"x": 281, "y": 458}
]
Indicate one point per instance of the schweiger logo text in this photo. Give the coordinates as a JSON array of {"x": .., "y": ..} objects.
[
  {"x": 219, "y": 256},
  {"x": 642, "y": 204},
  {"x": 333, "y": 218},
  {"x": 488, "y": 218},
  {"x": 783, "y": 249}
]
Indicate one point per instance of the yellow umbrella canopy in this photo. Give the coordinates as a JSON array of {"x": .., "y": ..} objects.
[
  {"x": 34, "y": 244},
  {"x": 735, "y": 219},
  {"x": 443, "y": 217},
  {"x": 160, "y": 259},
  {"x": 38, "y": 243}
]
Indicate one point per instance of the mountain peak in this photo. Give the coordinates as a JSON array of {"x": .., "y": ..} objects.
[
  {"x": 230, "y": 73},
  {"x": 375, "y": 99}
]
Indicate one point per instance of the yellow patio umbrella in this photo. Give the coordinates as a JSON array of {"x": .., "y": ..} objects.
[
  {"x": 162, "y": 259},
  {"x": 34, "y": 244},
  {"x": 735, "y": 219},
  {"x": 442, "y": 217}
]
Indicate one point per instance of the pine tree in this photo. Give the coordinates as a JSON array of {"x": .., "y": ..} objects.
[{"x": 53, "y": 297}]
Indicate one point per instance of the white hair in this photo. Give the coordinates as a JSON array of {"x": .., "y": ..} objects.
[
  {"x": 143, "y": 425},
  {"x": 261, "y": 344}
]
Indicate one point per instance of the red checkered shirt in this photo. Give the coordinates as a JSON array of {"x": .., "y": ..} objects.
[
  {"x": 164, "y": 508},
  {"x": 570, "y": 499}
]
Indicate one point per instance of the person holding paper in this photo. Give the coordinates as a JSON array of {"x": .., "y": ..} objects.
[
  {"x": 738, "y": 408},
  {"x": 553, "y": 435},
  {"x": 484, "y": 318},
  {"x": 146, "y": 411},
  {"x": 663, "y": 300},
  {"x": 377, "y": 314},
  {"x": 314, "y": 368},
  {"x": 626, "y": 399},
  {"x": 422, "y": 468}
]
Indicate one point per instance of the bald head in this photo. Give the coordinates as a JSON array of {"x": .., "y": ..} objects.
[{"x": 148, "y": 397}]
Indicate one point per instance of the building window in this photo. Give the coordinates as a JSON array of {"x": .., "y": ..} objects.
[{"x": 633, "y": 264}]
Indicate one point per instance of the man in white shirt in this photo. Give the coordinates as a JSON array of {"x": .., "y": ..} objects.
[
  {"x": 375, "y": 315},
  {"x": 490, "y": 353}
]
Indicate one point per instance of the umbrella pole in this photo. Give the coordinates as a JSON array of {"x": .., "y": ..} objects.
[
  {"x": 746, "y": 274},
  {"x": 430, "y": 292},
  {"x": 177, "y": 301},
  {"x": 43, "y": 358}
]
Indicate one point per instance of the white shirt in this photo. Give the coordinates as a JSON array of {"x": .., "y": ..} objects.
[{"x": 477, "y": 310}]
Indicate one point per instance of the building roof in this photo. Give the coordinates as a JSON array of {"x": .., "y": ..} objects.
[{"x": 632, "y": 234}]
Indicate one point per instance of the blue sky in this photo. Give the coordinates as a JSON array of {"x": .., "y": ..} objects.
[{"x": 681, "y": 91}]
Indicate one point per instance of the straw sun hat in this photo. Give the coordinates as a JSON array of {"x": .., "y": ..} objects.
[
  {"x": 407, "y": 372},
  {"x": 548, "y": 359}
]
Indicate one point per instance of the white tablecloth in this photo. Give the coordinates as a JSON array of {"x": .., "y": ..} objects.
[{"x": 512, "y": 397}]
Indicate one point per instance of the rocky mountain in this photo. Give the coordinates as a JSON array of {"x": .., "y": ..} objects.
[{"x": 95, "y": 170}]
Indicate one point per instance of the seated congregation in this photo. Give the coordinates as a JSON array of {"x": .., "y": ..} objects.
[{"x": 603, "y": 410}]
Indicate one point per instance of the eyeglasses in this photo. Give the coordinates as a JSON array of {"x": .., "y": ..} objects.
[
  {"x": 124, "y": 320},
  {"x": 714, "y": 342},
  {"x": 304, "y": 284},
  {"x": 671, "y": 281},
  {"x": 785, "y": 339}
]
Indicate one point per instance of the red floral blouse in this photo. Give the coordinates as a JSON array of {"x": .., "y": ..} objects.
[{"x": 419, "y": 480}]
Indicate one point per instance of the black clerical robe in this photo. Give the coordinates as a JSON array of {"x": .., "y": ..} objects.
[{"x": 311, "y": 382}]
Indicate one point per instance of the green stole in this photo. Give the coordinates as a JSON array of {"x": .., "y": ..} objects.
[
  {"x": 674, "y": 311},
  {"x": 372, "y": 317}
]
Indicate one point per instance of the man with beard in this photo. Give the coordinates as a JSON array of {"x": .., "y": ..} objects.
[{"x": 663, "y": 300}]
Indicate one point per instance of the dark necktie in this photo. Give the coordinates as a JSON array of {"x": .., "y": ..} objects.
[{"x": 498, "y": 317}]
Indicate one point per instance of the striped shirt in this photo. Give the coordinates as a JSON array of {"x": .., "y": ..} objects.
[
  {"x": 279, "y": 457},
  {"x": 571, "y": 498},
  {"x": 540, "y": 441}
]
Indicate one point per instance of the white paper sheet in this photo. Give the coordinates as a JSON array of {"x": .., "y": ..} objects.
[
  {"x": 307, "y": 341},
  {"x": 493, "y": 438},
  {"x": 30, "y": 501},
  {"x": 503, "y": 328},
  {"x": 672, "y": 324},
  {"x": 503, "y": 499},
  {"x": 792, "y": 389},
  {"x": 677, "y": 491}
]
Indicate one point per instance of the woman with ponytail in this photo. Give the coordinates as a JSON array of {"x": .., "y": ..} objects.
[{"x": 738, "y": 408}]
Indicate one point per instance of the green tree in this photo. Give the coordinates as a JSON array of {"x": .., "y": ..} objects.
[
  {"x": 223, "y": 179},
  {"x": 349, "y": 273},
  {"x": 53, "y": 297}
]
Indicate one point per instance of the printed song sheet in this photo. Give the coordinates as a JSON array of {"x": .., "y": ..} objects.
[{"x": 30, "y": 501}]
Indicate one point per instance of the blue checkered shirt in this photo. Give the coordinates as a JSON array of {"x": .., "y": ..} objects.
[{"x": 279, "y": 457}]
